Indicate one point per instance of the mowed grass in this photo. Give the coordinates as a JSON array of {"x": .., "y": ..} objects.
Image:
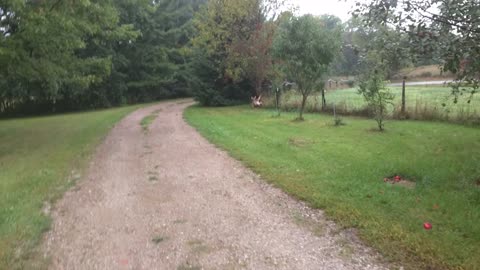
[
  {"x": 435, "y": 96},
  {"x": 341, "y": 170},
  {"x": 419, "y": 99},
  {"x": 39, "y": 159}
]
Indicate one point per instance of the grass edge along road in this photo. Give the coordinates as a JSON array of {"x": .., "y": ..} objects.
[
  {"x": 342, "y": 170},
  {"x": 40, "y": 158}
]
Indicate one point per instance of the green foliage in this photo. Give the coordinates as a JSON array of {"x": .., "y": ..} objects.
[
  {"x": 366, "y": 46},
  {"x": 69, "y": 55},
  {"x": 342, "y": 171},
  {"x": 148, "y": 120},
  {"x": 44, "y": 50},
  {"x": 377, "y": 97},
  {"x": 234, "y": 38},
  {"x": 338, "y": 121},
  {"x": 350, "y": 83},
  {"x": 446, "y": 30},
  {"x": 208, "y": 87},
  {"x": 306, "y": 47},
  {"x": 158, "y": 61}
]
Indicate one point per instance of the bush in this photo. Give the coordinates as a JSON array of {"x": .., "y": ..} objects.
[
  {"x": 338, "y": 121},
  {"x": 377, "y": 96},
  {"x": 210, "y": 89},
  {"x": 350, "y": 83}
]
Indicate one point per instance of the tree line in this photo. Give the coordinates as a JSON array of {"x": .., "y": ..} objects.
[{"x": 61, "y": 55}]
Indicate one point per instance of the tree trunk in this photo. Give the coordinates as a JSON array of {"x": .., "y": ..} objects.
[
  {"x": 324, "y": 101},
  {"x": 277, "y": 101},
  {"x": 403, "y": 97},
  {"x": 302, "y": 108}
]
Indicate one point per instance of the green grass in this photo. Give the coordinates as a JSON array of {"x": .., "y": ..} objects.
[
  {"x": 37, "y": 158},
  {"x": 433, "y": 95},
  {"x": 148, "y": 120},
  {"x": 419, "y": 100},
  {"x": 341, "y": 170}
]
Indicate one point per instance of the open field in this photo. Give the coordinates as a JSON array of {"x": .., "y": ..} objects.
[
  {"x": 422, "y": 103},
  {"x": 39, "y": 159},
  {"x": 342, "y": 170},
  {"x": 429, "y": 72}
]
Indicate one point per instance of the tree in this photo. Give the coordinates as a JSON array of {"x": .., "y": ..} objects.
[
  {"x": 155, "y": 65},
  {"x": 332, "y": 23},
  {"x": 377, "y": 44},
  {"x": 258, "y": 60},
  {"x": 68, "y": 55},
  {"x": 236, "y": 38},
  {"x": 306, "y": 47},
  {"x": 449, "y": 29},
  {"x": 347, "y": 62},
  {"x": 377, "y": 96},
  {"x": 43, "y": 50}
]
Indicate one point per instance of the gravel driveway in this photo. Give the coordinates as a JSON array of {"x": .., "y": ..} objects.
[{"x": 168, "y": 199}]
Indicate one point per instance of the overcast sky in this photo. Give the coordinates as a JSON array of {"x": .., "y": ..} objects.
[{"x": 339, "y": 8}]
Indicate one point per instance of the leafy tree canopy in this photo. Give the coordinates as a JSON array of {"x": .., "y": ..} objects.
[
  {"x": 306, "y": 46},
  {"x": 448, "y": 29}
]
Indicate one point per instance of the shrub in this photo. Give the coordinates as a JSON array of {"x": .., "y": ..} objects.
[
  {"x": 350, "y": 83},
  {"x": 377, "y": 96}
]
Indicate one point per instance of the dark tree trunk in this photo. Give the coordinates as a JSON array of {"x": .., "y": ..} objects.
[
  {"x": 403, "y": 96},
  {"x": 324, "y": 101},
  {"x": 302, "y": 108}
]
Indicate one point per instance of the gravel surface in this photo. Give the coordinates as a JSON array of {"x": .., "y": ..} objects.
[{"x": 168, "y": 199}]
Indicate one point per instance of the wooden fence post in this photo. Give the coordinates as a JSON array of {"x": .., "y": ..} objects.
[{"x": 403, "y": 95}]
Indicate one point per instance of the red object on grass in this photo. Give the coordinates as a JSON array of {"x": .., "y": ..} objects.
[
  {"x": 398, "y": 178},
  {"x": 427, "y": 226}
]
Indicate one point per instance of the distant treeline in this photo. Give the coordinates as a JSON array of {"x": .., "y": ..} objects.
[{"x": 63, "y": 55}]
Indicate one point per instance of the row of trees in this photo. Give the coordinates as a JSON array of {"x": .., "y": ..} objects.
[
  {"x": 244, "y": 48},
  {"x": 446, "y": 31},
  {"x": 66, "y": 54}
]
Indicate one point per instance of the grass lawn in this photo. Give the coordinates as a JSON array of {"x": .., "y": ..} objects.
[
  {"x": 417, "y": 99},
  {"x": 434, "y": 95},
  {"x": 39, "y": 159},
  {"x": 342, "y": 170}
]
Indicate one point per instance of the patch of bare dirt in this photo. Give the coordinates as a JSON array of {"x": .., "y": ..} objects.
[
  {"x": 299, "y": 142},
  {"x": 400, "y": 181},
  {"x": 168, "y": 199}
]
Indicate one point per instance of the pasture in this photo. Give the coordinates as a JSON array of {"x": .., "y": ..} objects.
[{"x": 422, "y": 103}]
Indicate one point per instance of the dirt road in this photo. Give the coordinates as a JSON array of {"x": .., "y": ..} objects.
[{"x": 168, "y": 199}]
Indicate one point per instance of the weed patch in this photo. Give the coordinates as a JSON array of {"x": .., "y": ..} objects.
[{"x": 148, "y": 120}]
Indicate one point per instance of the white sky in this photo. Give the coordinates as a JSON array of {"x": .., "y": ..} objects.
[{"x": 339, "y": 8}]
